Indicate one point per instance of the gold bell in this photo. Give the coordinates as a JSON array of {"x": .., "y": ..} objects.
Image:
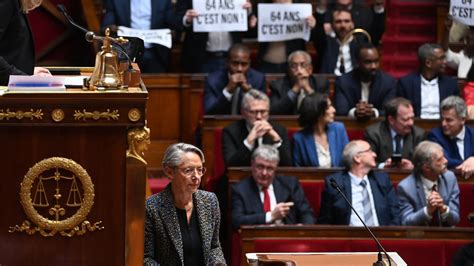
[{"x": 106, "y": 75}]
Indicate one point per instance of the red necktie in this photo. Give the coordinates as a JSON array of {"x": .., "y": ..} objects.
[
  {"x": 266, "y": 200},
  {"x": 435, "y": 220}
]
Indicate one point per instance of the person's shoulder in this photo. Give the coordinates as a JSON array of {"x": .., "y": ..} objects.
[
  {"x": 203, "y": 195},
  {"x": 450, "y": 176},
  {"x": 410, "y": 76},
  {"x": 218, "y": 74},
  {"x": 408, "y": 182},
  {"x": 243, "y": 184},
  {"x": 236, "y": 125},
  {"x": 289, "y": 180},
  {"x": 380, "y": 176},
  {"x": 436, "y": 132},
  {"x": 386, "y": 77},
  {"x": 337, "y": 125},
  {"x": 375, "y": 127},
  {"x": 255, "y": 73},
  {"x": 470, "y": 130}
]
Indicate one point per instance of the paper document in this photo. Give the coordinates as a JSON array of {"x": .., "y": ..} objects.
[
  {"x": 158, "y": 36},
  {"x": 36, "y": 83}
]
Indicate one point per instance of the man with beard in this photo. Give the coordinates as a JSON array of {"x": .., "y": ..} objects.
[
  {"x": 427, "y": 87},
  {"x": 288, "y": 93},
  {"x": 363, "y": 92},
  {"x": 429, "y": 196}
]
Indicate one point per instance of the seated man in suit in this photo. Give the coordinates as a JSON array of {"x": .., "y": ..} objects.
[
  {"x": 363, "y": 92},
  {"x": 397, "y": 136},
  {"x": 240, "y": 138},
  {"x": 427, "y": 87},
  {"x": 454, "y": 136},
  {"x": 372, "y": 194},
  {"x": 429, "y": 196},
  {"x": 265, "y": 198},
  {"x": 288, "y": 93},
  {"x": 224, "y": 88}
]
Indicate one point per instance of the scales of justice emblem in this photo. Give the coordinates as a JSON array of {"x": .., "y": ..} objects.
[{"x": 47, "y": 207}]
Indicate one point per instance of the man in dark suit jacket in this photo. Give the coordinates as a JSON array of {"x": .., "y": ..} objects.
[
  {"x": 377, "y": 206},
  {"x": 265, "y": 198},
  {"x": 288, "y": 93},
  {"x": 223, "y": 86},
  {"x": 363, "y": 92},
  {"x": 240, "y": 138},
  {"x": 396, "y": 135},
  {"x": 156, "y": 57},
  {"x": 454, "y": 136},
  {"x": 17, "y": 51},
  {"x": 427, "y": 87}
]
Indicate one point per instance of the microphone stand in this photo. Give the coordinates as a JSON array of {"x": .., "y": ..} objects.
[{"x": 379, "y": 261}]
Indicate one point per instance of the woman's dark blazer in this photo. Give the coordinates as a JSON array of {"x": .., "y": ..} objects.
[
  {"x": 163, "y": 242},
  {"x": 17, "y": 51}
]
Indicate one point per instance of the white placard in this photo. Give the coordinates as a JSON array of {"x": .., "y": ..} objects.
[
  {"x": 462, "y": 11},
  {"x": 220, "y": 15},
  {"x": 282, "y": 22},
  {"x": 158, "y": 36}
]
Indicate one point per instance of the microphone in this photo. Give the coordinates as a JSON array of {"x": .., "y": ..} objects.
[
  {"x": 380, "y": 247},
  {"x": 90, "y": 35}
]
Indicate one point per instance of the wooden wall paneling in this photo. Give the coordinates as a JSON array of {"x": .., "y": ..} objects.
[{"x": 192, "y": 90}]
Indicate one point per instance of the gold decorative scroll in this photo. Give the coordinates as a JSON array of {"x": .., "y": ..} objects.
[
  {"x": 96, "y": 115},
  {"x": 138, "y": 141},
  {"x": 32, "y": 114},
  {"x": 53, "y": 202}
]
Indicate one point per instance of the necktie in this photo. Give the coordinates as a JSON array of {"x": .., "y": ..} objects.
[
  {"x": 300, "y": 99},
  {"x": 369, "y": 219},
  {"x": 398, "y": 144},
  {"x": 266, "y": 200},
  {"x": 342, "y": 68},
  {"x": 235, "y": 102},
  {"x": 454, "y": 146},
  {"x": 435, "y": 221}
]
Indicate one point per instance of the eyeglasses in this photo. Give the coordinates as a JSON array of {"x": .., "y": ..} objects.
[
  {"x": 189, "y": 171},
  {"x": 296, "y": 65},
  {"x": 256, "y": 112},
  {"x": 368, "y": 150},
  {"x": 261, "y": 168}
]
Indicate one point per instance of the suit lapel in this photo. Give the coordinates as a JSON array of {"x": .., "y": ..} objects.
[
  {"x": 257, "y": 202},
  {"x": 468, "y": 147},
  {"x": 154, "y": 12},
  {"x": 408, "y": 142},
  {"x": 311, "y": 148},
  {"x": 346, "y": 188},
  {"x": 417, "y": 94},
  {"x": 420, "y": 192},
  {"x": 125, "y": 6},
  {"x": 332, "y": 148},
  {"x": 204, "y": 222},
  {"x": 170, "y": 220},
  {"x": 387, "y": 139}
]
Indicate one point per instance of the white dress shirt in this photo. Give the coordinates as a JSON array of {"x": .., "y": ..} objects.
[
  {"x": 429, "y": 99},
  {"x": 346, "y": 54},
  {"x": 460, "y": 141},
  {"x": 140, "y": 16},
  {"x": 273, "y": 203},
  {"x": 357, "y": 200}
]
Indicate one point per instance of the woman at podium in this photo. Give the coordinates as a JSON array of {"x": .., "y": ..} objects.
[
  {"x": 17, "y": 50},
  {"x": 182, "y": 222}
]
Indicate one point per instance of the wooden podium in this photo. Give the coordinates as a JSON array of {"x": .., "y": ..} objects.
[
  {"x": 69, "y": 193},
  {"x": 327, "y": 258}
]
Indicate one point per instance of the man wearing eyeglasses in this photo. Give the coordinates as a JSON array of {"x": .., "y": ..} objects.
[
  {"x": 265, "y": 198},
  {"x": 371, "y": 193},
  {"x": 224, "y": 88},
  {"x": 288, "y": 93},
  {"x": 240, "y": 138}
]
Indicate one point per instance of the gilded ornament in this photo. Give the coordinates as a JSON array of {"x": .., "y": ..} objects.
[
  {"x": 138, "y": 141},
  {"x": 65, "y": 170},
  {"x": 20, "y": 114},
  {"x": 134, "y": 114},
  {"x": 57, "y": 115},
  {"x": 96, "y": 115}
]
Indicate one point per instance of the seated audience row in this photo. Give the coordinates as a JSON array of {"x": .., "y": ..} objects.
[
  {"x": 321, "y": 141},
  {"x": 361, "y": 93},
  {"x": 429, "y": 196}
]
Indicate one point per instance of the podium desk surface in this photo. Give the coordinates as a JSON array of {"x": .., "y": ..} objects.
[{"x": 326, "y": 258}]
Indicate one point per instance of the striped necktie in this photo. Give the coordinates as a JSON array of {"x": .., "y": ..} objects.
[{"x": 369, "y": 220}]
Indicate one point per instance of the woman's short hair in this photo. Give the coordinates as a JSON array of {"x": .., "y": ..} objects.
[
  {"x": 312, "y": 108},
  {"x": 266, "y": 152},
  {"x": 253, "y": 95},
  {"x": 456, "y": 103},
  {"x": 423, "y": 154},
  {"x": 174, "y": 154}
]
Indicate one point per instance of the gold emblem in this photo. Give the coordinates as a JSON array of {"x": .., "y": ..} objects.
[
  {"x": 32, "y": 114},
  {"x": 48, "y": 211},
  {"x": 57, "y": 115},
  {"x": 134, "y": 114},
  {"x": 96, "y": 115},
  {"x": 138, "y": 141}
]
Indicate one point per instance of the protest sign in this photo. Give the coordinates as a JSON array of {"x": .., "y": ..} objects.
[
  {"x": 219, "y": 15},
  {"x": 158, "y": 36},
  {"x": 462, "y": 11},
  {"x": 282, "y": 22}
]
